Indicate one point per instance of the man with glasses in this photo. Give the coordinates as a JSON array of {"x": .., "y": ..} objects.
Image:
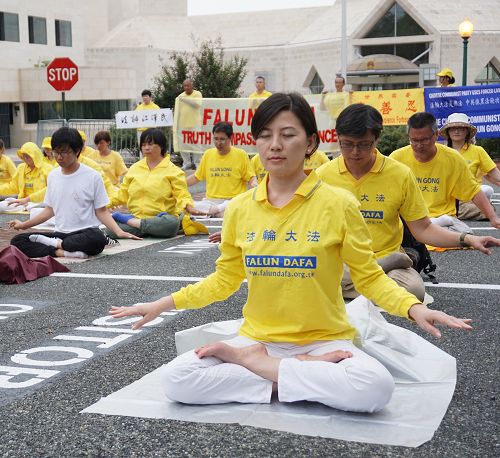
[
  {"x": 387, "y": 191},
  {"x": 442, "y": 175},
  {"x": 76, "y": 197},
  {"x": 225, "y": 169}
]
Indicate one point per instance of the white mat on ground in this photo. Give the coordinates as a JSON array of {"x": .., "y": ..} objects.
[{"x": 425, "y": 381}]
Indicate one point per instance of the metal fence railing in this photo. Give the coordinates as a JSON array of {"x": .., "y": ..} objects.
[{"x": 122, "y": 140}]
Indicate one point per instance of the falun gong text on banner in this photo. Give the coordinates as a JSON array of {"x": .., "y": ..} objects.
[
  {"x": 395, "y": 106},
  {"x": 193, "y": 123},
  {"x": 480, "y": 103}
]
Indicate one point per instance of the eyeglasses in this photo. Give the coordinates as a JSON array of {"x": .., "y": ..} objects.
[
  {"x": 421, "y": 141},
  {"x": 220, "y": 140},
  {"x": 62, "y": 151},
  {"x": 362, "y": 147}
]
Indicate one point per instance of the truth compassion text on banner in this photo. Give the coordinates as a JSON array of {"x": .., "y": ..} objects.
[{"x": 480, "y": 103}]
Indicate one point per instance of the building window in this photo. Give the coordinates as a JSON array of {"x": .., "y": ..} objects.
[
  {"x": 37, "y": 27},
  {"x": 83, "y": 109},
  {"x": 9, "y": 27},
  {"x": 395, "y": 23},
  {"x": 489, "y": 75},
  {"x": 63, "y": 33},
  {"x": 316, "y": 85},
  {"x": 408, "y": 51}
]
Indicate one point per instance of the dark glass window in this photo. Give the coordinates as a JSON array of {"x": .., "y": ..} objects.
[
  {"x": 84, "y": 109},
  {"x": 316, "y": 85},
  {"x": 9, "y": 27},
  {"x": 37, "y": 28},
  {"x": 63, "y": 33},
  {"x": 409, "y": 51},
  {"x": 395, "y": 23}
]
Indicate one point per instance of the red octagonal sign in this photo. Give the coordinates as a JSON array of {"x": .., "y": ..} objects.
[{"x": 62, "y": 73}]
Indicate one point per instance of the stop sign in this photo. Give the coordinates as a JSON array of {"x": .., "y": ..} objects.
[{"x": 62, "y": 73}]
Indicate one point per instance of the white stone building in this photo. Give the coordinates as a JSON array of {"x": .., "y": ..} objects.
[{"x": 119, "y": 46}]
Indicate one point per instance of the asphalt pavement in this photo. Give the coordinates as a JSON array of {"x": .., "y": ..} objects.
[{"x": 42, "y": 419}]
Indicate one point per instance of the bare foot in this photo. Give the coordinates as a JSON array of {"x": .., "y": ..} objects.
[
  {"x": 226, "y": 353},
  {"x": 331, "y": 357}
]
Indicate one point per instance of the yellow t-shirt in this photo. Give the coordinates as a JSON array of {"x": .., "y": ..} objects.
[
  {"x": 87, "y": 151},
  {"x": 143, "y": 106},
  {"x": 387, "y": 191},
  {"x": 112, "y": 164},
  {"x": 478, "y": 160},
  {"x": 7, "y": 168},
  {"x": 188, "y": 110},
  {"x": 149, "y": 192},
  {"x": 316, "y": 160},
  {"x": 442, "y": 180},
  {"x": 293, "y": 260},
  {"x": 226, "y": 174},
  {"x": 335, "y": 102},
  {"x": 255, "y": 95},
  {"x": 257, "y": 169}
]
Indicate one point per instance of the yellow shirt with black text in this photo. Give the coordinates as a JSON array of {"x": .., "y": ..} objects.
[
  {"x": 226, "y": 175},
  {"x": 387, "y": 191},
  {"x": 293, "y": 260},
  {"x": 442, "y": 180}
]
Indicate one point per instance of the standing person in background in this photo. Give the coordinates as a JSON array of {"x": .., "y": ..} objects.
[
  {"x": 225, "y": 169},
  {"x": 260, "y": 92},
  {"x": 146, "y": 104},
  {"x": 7, "y": 166},
  {"x": 446, "y": 77},
  {"x": 442, "y": 175},
  {"x": 459, "y": 133},
  {"x": 110, "y": 161},
  {"x": 334, "y": 102},
  {"x": 188, "y": 115},
  {"x": 288, "y": 238},
  {"x": 48, "y": 154}
]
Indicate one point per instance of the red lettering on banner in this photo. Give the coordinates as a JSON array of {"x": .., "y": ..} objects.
[
  {"x": 242, "y": 138},
  {"x": 207, "y": 115},
  {"x": 239, "y": 121},
  {"x": 196, "y": 138},
  {"x": 251, "y": 112},
  {"x": 328, "y": 136}
]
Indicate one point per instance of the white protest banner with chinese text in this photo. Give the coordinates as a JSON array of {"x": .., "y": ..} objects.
[{"x": 144, "y": 118}]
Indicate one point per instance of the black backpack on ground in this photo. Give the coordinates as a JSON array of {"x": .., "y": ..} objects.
[{"x": 419, "y": 254}]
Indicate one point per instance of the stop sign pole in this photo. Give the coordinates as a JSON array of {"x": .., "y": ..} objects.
[{"x": 62, "y": 75}]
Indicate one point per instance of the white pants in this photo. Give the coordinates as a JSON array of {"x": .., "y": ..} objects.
[
  {"x": 357, "y": 384},
  {"x": 213, "y": 207}
]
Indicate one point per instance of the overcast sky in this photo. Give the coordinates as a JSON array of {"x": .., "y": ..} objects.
[{"x": 196, "y": 7}]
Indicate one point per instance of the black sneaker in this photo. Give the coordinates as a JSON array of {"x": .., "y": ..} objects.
[{"x": 111, "y": 242}]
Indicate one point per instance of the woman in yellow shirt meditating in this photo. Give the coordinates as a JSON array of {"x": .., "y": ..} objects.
[
  {"x": 155, "y": 192},
  {"x": 289, "y": 238}
]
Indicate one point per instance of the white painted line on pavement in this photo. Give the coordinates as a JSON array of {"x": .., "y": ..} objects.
[
  {"x": 488, "y": 228},
  {"x": 125, "y": 277},
  {"x": 193, "y": 279},
  {"x": 462, "y": 285}
]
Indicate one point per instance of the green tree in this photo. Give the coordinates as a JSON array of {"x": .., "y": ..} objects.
[
  {"x": 168, "y": 84},
  {"x": 492, "y": 147},
  {"x": 392, "y": 138},
  {"x": 211, "y": 73}
]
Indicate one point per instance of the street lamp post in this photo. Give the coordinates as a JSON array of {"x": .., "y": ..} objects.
[{"x": 465, "y": 29}]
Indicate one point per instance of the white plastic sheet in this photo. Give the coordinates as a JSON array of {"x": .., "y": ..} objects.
[{"x": 425, "y": 381}]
